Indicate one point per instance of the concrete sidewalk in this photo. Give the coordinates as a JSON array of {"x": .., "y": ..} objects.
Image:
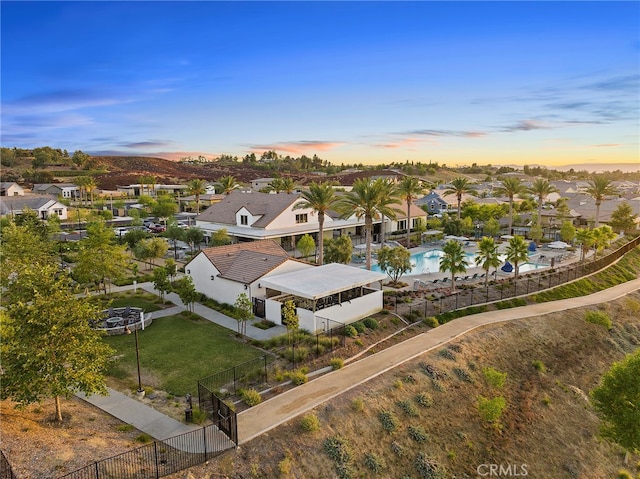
[{"x": 284, "y": 407}]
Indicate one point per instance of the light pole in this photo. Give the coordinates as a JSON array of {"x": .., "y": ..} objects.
[{"x": 135, "y": 333}]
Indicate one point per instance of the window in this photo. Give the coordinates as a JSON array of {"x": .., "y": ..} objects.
[
  {"x": 58, "y": 212},
  {"x": 402, "y": 224},
  {"x": 302, "y": 218},
  {"x": 244, "y": 220}
]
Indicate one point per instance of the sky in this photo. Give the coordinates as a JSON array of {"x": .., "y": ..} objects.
[{"x": 545, "y": 83}]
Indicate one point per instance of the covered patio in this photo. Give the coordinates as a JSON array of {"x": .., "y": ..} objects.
[{"x": 324, "y": 295}]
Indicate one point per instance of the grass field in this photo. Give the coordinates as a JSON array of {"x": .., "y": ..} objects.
[
  {"x": 175, "y": 352},
  {"x": 147, "y": 301}
]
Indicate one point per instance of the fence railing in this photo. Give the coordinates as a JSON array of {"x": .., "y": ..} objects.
[
  {"x": 159, "y": 458},
  {"x": 5, "y": 468},
  {"x": 432, "y": 303}
]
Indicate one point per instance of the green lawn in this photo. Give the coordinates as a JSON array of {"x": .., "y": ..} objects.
[
  {"x": 175, "y": 352},
  {"x": 147, "y": 301}
]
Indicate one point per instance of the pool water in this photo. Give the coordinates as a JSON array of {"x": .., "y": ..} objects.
[{"x": 429, "y": 262}]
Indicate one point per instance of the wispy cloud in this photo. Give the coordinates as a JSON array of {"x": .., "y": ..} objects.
[
  {"x": 403, "y": 143},
  {"x": 438, "y": 133},
  {"x": 526, "y": 125},
  {"x": 606, "y": 145},
  {"x": 62, "y": 100},
  {"x": 146, "y": 144},
  {"x": 297, "y": 147}
]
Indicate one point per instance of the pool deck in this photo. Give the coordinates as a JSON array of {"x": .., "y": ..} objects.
[{"x": 560, "y": 257}]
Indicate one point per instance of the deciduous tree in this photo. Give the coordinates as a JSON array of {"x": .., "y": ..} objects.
[
  {"x": 394, "y": 261},
  {"x": 306, "y": 245},
  {"x": 338, "y": 250},
  {"x": 244, "y": 310}
]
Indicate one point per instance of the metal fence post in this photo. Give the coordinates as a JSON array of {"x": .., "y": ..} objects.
[{"x": 155, "y": 455}]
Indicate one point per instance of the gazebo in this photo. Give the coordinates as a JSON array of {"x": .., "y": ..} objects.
[{"x": 325, "y": 296}]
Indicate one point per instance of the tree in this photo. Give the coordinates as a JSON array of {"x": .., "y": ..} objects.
[
  {"x": 622, "y": 218},
  {"x": 617, "y": 400},
  {"x": 367, "y": 199},
  {"x": 567, "y": 231},
  {"x": 79, "y": 158},
  {"x": 186, "y": 291},
  {"x": 511, "y": 187},
  {"x": 338, "y": 250},
  {"x": 174, "y": 234},
  {"x": 541, "y": 188},
  {"x": 244, "y": 310},
  {"x": 220, "y": 237},
  {"x": 517, "y": 252},
  {"x": 459, "y": 186},
  {"x": 487, "y": 256},
  {"x": 227, "y": 184},
  {"x": 536, "y": 233},
  {"x": 420, "y": 228},
  {"x": 600, "y": 187},
  {"x": 48, "y": 347},
  {"x": 409, "y": 189},
  {"x": 171, "y": 268},
  {"x": 453, "y": 260},
  {"x": 291, "y": 320},
  {"x": 491, "y": 227},
  {"x": 132, "y": 237},
  {"x": 306, "y": 245},
  {"x": 193, "y": 236},
  {"x": 394, "y": 261},
  {"x": 149, "y": 249},
  {"x": 197, "y": 187},
  {"x": 602, "y": 236},
  {"x": 320, "y": 198},
  {"x": 161, "y": 281},
  {"x": 584, "y": 237},
  {"x": 164, "y": 208}
]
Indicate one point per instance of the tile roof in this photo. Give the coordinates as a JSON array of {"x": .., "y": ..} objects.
[
  {"x": 266, "y": 205},
  {"x": 246, "y": 262}
]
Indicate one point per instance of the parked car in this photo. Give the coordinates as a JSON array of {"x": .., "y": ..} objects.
[{"x": 157, "y": 228}]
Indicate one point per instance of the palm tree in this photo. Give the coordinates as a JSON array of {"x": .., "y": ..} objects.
[
  {"x": 81, "y": 183},
  {"x": 511, "y": 187},
  {"x": 320, "y": 198},
  {"x": 459, "y": 186},
  {"x": 541, "y": 188},
  {"x": 453, "y": 260},
  {"x": 584, "y": 237},
  {"x": 367, "y": 199},
  {"x": 90, "y": 185},
  {"x": 389, "y": 190},
  {"x": 598, "y": 188},
  {"x": 517, "y": 252},
  {"x": 487, "y": 256},
  {"x": 601, "y": 238},
  {"x": 409, "y": 189},
  {"x": 227, "y": 184},
  {"x": 197, "y": 187}
]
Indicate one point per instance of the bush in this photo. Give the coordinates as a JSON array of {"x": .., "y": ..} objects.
[
  {"x": 350, "y": 332},
  {"x": 337, "y": 449},
  {"x": 491, "y": 409},
  {"x": 389, "y": 421},
  {"x": 371, "y": 323},
  {"x": 599, "y": 317},
  {"x": 431, "y": 321},
  {"x": 539, "y": 365},
  {"x": 494, "y": 377},
  {"x": 463, "y": 374},
  {"x": 357, "y": 404},
  {"x": 359, "y": 326},
  {"x": 428, "y": 468},
  {"x": 374, "y": 462},
  {"x": 199, "y": 416},
  {"x": 397, "y": 448},
  {"x": 336, "y": 363},
  {"x": 418, "y": 434},
  {"x": 297, "y": 377},
  {"x": 310, "y": 423},
  {"x": 251, "y": 397},
  {"x": 455, "y": 347},
  {"x": 284, "y": 466},
  {"x": 624, "y": 474},
  {"x": 447, "y": 354},
  {"x": 408, "y": 408},
  {"x": 144, "y": 438},
  {"x": 424, "y": 399}
]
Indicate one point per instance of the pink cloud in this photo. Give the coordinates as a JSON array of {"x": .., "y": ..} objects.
[{"x": 297, "y": 147}]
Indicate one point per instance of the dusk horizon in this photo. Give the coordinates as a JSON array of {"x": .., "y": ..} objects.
[{"x": 502, "y": 83}]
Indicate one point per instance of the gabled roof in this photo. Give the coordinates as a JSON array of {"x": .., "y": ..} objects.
[
  {"x": 9, "y": 204},
  {"x": 268, "y": 206},
  {"x": 246, "y": 262}
]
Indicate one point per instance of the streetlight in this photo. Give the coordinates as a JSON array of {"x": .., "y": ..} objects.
[{"x": 135, "y": 332}]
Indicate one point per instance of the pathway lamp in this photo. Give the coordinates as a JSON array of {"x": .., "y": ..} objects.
[{"x": 135, "y": 332}]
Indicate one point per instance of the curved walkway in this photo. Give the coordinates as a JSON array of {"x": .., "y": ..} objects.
[{"x": 280, "y": 409}]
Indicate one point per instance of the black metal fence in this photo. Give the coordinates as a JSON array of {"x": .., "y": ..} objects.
[
  {"x": 240, "y": 376},
  {"x": 5, "y": 468},
  {"x": 431, "y": 303},
  {"x": 159, "y": 458}
]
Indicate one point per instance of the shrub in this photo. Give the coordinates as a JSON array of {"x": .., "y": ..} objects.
[
  {"x": 424, "y": 399},
  {"x": 336, "y": 363},
  {"x": 199, "y": 416},
  {"x": 359, "y": 326},
  {"x": 447, "y": 354},
  {"x": 297, "y": 377},
  {"x": 428, "y": 468},
  {"x": 358, "y": 342},
  {"x": 337, "y": 449},
  {"x": 125, "y": 428},
  {"x": 395, "y": 320},
  {"x": 431, "y": 321},
  {"x": 409, "y": 379},
  {"x": 350, "y": 332},
  {"x": 398, "y": 384},
  {"x": 539, "y": 365},
  {"x": 374, "y": 462},
  {"x": 438, "y": 385},
  {"x": 144, "y": 438},
  {"x": 408, "y": 408},
  {"x": 284, "y": 466},
  {"x": 463, "y": 374},
  {"x": 251, "y": 397},
  {"x": 357, "y": 404},
  {"x": 371, "y": 323},
  {"x": 384, "y": 312},
  {"x": 389, "y": 420},
  {"x": 599, "y": 317},
  {"x": 494, "y": 377},
  {"x": 418, "y": 434},
  {"x": 455, "y": 347},
  {"x": 624, "y": 474},
  {"x": 297, "y": 354},
  {"x": 491, "y": 409},
  {"x": 310, "y": 423},
  {"x": 397, "y": 448}
]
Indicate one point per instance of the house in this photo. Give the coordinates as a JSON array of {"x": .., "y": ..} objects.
[
  {"x": 206, "y": 200},
  {"x": 11, "y": 188},
  {"x": 224, "y": 272},
  {"x": 261, "y": 183},
  {"x": 151, "y": 189},
  {"x": 250, "y": 216},
  {"x": 63, "y": 190},
  {"x": 325, "y": 296},
  {"x": 435, "y": 204},
  {"x": 45, "y": 206},
  {"x": 399, "y": 224}
]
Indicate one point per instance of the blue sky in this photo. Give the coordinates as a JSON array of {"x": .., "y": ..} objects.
[{"x": 453, "y": 82}]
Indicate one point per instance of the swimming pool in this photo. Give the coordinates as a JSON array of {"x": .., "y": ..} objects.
[{"x": 429, "y": 262}]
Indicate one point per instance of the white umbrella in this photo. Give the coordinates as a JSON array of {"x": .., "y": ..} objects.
[
  {"x": 558, "y": 245},
  {"x": 507, "y": 237}
]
